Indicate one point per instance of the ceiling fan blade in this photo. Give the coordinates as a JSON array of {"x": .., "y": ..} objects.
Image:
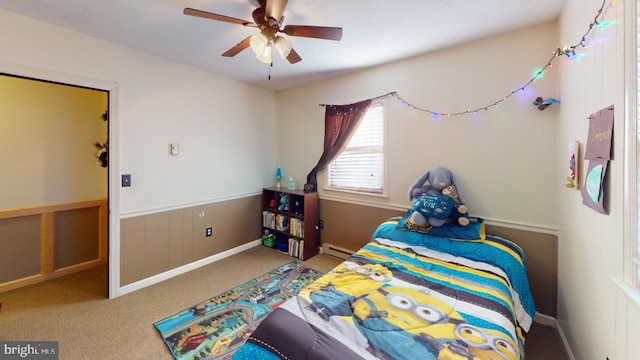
[
  {"x": 239, "y": 47},
  {"x": 212, "y": 16},
  {"x": 293, "y": 57},
  {"x": 318, "y": 32},
  {"x": 275, "y": 8}
]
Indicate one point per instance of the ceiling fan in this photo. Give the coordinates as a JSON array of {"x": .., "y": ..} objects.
[{"x": 268, "y": 18}]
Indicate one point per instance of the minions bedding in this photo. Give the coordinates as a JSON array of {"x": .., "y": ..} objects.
[{"x": 407, "y": 295}]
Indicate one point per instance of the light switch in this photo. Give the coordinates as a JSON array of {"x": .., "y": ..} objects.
[
  {"x": 126, "y": 180},
  {"x": 174, "y": 149}
]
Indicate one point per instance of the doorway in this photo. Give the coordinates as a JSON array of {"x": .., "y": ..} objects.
[{"x": 90, "y": 185}]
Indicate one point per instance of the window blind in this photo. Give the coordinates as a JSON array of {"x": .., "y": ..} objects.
[{"x": 360, "y": 166}]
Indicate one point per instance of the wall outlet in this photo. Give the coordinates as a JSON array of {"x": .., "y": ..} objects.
[
  {"x": 209, "y": 231},
  {"x": 321, "y": 224}
]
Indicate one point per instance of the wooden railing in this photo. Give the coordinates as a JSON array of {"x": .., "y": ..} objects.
[{"x": 47, "y": 215}]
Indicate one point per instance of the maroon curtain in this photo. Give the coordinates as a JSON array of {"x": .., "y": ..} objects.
[{"x": 340, "y": 123}]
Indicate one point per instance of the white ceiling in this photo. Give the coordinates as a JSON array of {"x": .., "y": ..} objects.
[{"x": 374, "y": 31}]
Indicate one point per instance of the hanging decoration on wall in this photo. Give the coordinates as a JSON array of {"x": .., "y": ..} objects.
[
  {"x": 544, "y": 103},
  {"x": 574, "y": 151},
  {"x": 102, "y": 152},
  {"x": 598, "y": 152},
  {"x": 568, "y": 51}
]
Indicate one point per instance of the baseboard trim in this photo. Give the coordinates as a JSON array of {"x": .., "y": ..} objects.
[
  {"x": 545, "y": 319},
  {"x": 553, "y": 322},
  {"x": 186, "y": 268},
  {"x": 565, "y": 342}
]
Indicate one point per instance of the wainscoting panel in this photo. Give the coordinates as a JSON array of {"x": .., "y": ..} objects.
[
  {"x": 20, "y": 244},
  {"x": 155, "y": 243},
  {"x": 158, "y": 242},
  {"x": 350, "y": 226},
  {"x": 133, "y": 256},
  {"x": 52, "y": 240},
  {"x": 541, "y": 251},
  {"x": 77, "y": 232}
]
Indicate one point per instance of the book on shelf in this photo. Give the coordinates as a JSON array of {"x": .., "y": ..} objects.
[
  {"x": 296, "y": 247},
  {"x": 296, "y": 227},
  {"x": 292, "y": 246},
  {"x": 300, "y": 249},
  {"x": 269, "y": 219}
]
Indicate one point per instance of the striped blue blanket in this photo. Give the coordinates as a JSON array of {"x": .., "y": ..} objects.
[{"x": 407, "y": 295}]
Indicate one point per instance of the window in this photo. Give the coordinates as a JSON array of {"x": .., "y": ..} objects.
[
  {"x": 630, "y": 284},
  {"x": 635, "y": 260},
  {"x": 635, "y": 157},
  {"x": 360, "y": 166}
]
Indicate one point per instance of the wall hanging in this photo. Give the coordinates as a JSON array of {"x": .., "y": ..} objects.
[
  {"x": 102, "y": 149},
  {"x": 598, "y": 152},
  {"x": 574, "y": 151},
  {"x": 542, "y": 104}
]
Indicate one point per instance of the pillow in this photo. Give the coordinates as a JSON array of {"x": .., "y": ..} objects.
[
  {"x": 433, "y": 206},
  {"x": 474, "y": 231}
]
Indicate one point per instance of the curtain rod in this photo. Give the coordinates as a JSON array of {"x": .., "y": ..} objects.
[{"x": 372, "y": 99}]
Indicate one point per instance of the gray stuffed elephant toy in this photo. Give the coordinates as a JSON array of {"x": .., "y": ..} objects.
[{"x": 434, "y": 181}]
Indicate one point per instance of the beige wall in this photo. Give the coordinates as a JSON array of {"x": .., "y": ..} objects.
[
  {"x": 46, "y": 143},
  {"x": 596, "y": 318},
  {"x": 226, "y": 129},
  {"x": 502, "y": 157}
]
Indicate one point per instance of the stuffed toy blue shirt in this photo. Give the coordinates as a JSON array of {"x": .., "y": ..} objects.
[{"x": 433, "y": 206}]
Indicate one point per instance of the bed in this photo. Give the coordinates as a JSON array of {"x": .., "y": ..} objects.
[{"x": 449, "y": 293}]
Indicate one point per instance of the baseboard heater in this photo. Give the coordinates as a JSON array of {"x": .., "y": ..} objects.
[{"x": 336, "y": 251}]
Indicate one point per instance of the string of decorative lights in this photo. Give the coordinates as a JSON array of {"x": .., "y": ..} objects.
[{"x": 568, "y": 51}]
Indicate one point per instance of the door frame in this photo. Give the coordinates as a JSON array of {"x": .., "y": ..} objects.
[{"x": 113, "y": 193}]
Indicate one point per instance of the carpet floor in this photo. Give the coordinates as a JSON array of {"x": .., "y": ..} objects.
[{"x": 74, "y": 310}]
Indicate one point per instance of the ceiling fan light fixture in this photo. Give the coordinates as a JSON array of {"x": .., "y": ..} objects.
[
  {"x": 265, "y": 57},
  {"x": 258, "y": 42},
  {"x": 261, "y": 46},
  {"x": 283, "y": 46}
]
